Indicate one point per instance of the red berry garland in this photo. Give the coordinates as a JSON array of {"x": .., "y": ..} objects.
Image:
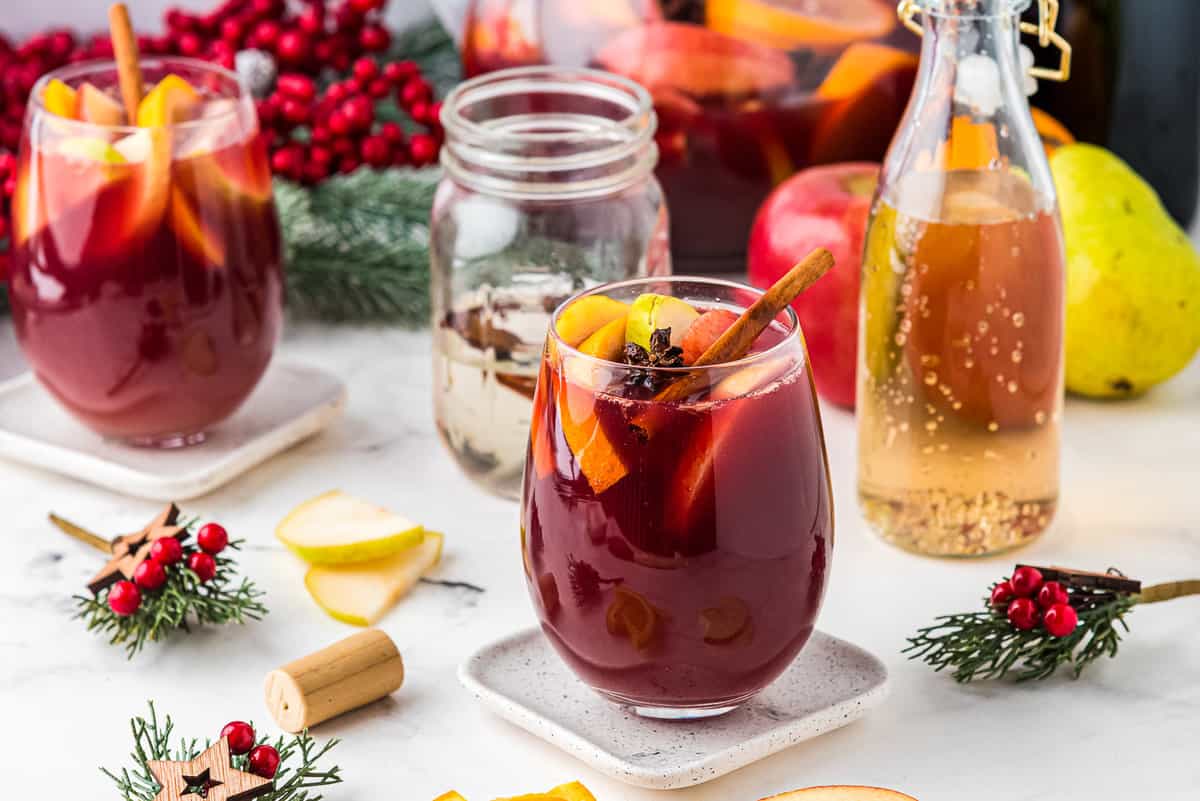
[
  {"x": 124, "y": 598},
  {"x": 203, "y": 565},
  {"x": 264, "y": 761},
  {"x": 240, "y": 736}
]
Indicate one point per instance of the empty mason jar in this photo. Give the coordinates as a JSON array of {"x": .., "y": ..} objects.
[{"x": 548, "y": 189}]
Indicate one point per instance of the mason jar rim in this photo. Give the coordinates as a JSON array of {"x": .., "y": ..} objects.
[
  {"x": 474, "y": 152},
  {"x": 98, "y": 66},
  {"x": 940, "y": 8},
  {"x": 793, "y": 333}
]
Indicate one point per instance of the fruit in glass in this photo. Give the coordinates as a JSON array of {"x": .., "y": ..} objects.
[
  {"x": 146, "y": 279},
  {"x": 676, "y": 551}
]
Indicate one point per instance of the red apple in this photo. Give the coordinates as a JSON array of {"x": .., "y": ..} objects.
[{"x": 820, "y": 207}]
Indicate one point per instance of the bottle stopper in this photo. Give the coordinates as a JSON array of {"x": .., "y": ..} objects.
[{"x": 348, "y": 674}]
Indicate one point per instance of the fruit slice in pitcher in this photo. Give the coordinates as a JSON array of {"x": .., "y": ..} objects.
[
  {"x": 695, "y": 60},
  {"x": 651, "y": 312},
  {"x": 868, "y": 83},
  {"x": 171, "y": 100},
  {"x": 586, "y": 316},
  {"x": 59, "y": 99},
  {"x": 97, "y": 106},
  {"x": 807, "y": 24}
]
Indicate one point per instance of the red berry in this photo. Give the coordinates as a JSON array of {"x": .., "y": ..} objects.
[
  {"x": 314, "y": 172},
  {"x": 264, "y": 761},
  {"x": 298, "y": 86},
  {"x": 150, "y": 575},
  {"x": 365, "y": 69},
  {"x": 419, "y": 112},
  {"x": 190, "y": 44},
  {"x": 286, "y": 161},
  {"x": 266, "y": 8},
  {"x": 337, "y": 92},
  {"x": 323, "y": 51},
  {"x": 203, "y": 565},
  {"x": 8, "y": 162},
  {"x": 124, "y": 598},
  {"x": 348, "y": 164},
  {"x": 1026, "y": 581},
  {"x": 376, "y": 151},
  {"x": 232, "y": 31},
  {"x": 318, "y": 154},
  {"x": 1060, "y": 620},
  {"x": 399, "y": 71},
  {"x": 1023, "y": 614},
  {"x": 166, "y": 551},
  {"x": 311, "y": 20},
  {"x": 320, "y": 134},
  {"x": 240, "y": 736},
  {"x": 292, "y": 47},
  {"x": 414, "y": 90},
  {"x": 379, "y": 88},
  {"x": 374, "y": 39},
  {"x": 392, "y": 132},
  {"x": 266, "y": 33},
  {"x": 339, "y": 123},
  {"x": 177, "y": 19},
  {"x": 422, "y": 149},
  {"x": 343, "y": 147},
  {"x": 10, "y": 185},
  {"x": 365, "y": 6},
  {"x": 353, "y": 86},
  {"x": 435, "y": 114},
  {"x": 347, "y": 18},
  {"x": 212, "y": 538},
  {"x": 1052, "y": 593},
  {"x": 295, "y": 111},
  {"x": 1002, "y": 593},
  {"x": 359, "y": 112}
]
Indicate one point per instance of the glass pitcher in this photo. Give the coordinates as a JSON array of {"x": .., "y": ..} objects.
[{"x": 962, "y": 306}]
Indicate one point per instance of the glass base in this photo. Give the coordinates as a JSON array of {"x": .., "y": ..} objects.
[
  {"x": 683, "y": 713},
  {"x": 167, "y": 441}
]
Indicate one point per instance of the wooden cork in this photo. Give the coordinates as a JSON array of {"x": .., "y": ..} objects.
[{"x": 348, "y": 674}]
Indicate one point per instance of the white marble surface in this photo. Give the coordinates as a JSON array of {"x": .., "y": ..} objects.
[{"x": 1128, "y": 730}]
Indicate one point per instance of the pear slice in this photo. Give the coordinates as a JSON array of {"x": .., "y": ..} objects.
[
  {"x": 651, "y": 312},
  {"x": 360, "y": 594},
  {"x": 841, "y": 793},
  {"x": 96, "y": 106},
  {"x": 338, "y": 529}
]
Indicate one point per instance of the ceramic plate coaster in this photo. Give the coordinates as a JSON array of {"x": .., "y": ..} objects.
[
  {"x": 830, "y": 684},
  {"x": 290, "y": 404}
]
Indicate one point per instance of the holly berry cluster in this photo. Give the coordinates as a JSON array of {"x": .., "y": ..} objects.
[
  {"x": 1028, "y": 601},
  {"x": 125, "y": 597},
  {"x": 261, "y": 760},
  {"x": 314, "y": 134}
]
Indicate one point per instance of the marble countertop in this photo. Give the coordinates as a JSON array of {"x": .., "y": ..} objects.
[{"x": 1129, "y": 729}]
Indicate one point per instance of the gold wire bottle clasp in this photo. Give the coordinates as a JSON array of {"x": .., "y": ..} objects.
[{"x": 1047, "y": 20}]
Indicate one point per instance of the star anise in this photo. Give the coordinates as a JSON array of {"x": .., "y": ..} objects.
[{"x": 661, "y": 354}]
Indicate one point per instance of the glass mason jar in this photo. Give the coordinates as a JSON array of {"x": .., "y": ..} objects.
[
  {"x": 960, "y": 375},
  {"x": 548, "y": 189},
  {"x": 147, "y": 285},
  {"x": 677, "y": 552}
]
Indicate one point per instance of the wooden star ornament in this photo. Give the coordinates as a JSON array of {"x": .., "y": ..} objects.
[
  {"x": 131, "y": 550},
  {"x": 208, "y": 777}
]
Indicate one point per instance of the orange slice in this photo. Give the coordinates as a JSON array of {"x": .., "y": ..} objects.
[
  {"x": 171, "y": 100},
  {"x": 598, "y": 460},
  {"x": 812, "y": 24},
  {"x": 865, "y": 93},
  {"x": 59, "y": 99},
  {"x": 192, "y": 233},
  {"x": 539, "y": 435},
  {"x": 631, "y": 615},
  {"x": 1054, "y": 134},
  {"x": 696, "y": 60}
]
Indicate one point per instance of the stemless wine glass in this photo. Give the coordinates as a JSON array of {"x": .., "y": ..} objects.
[
  {"x": 677, "y": 551},
  {"x": 146, "y": 285}
]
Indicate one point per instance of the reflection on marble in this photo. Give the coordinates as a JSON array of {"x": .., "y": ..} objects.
[{"x": 1127, "y": 730}]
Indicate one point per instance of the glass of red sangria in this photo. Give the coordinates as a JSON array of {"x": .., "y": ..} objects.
[
  {"x": 676, "y": 550},
  {"x": 146, "y": 282}
]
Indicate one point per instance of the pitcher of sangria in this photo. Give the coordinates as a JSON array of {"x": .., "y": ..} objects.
[
  {"x": 146, "y": 281},
  {"x": 962, "y": 306}
]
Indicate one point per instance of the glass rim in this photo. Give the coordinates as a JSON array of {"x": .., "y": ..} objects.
[
  {"x": 793, "y": 334},
  {"x": 939, "y": 8},
  {"x": 69, "y": 71}
]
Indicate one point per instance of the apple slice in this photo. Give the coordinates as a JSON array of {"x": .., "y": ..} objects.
[
  {"x": 335, "y": 528},
  {"x": 704, "y": 332},
  {"x": 360, "y": 594},
  {"x": 59, "y": 99},
  {"x": 651, "y": 312},
  {"x": 96, "y": 106},
  {"x": 586, "y": 316},
  {"x": 843, "y": 792},
  {"x": 693, "y": 479},
  {"x": 87, "y": 148}
]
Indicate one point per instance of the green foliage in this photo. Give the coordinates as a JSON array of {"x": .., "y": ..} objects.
[
  {"x": 152, "y": 741},
  {"x": 182, "y": 602},
  {"x": 984, "y": 645}
]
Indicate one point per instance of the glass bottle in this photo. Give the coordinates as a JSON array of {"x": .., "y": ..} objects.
[
  {"x": 549, "y": 189},
  {"x": 961, "y": 326}
]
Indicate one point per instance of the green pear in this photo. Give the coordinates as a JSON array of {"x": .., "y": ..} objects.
[
  {"x": 337, "y": 529},
  {"x": 651, "y": 312},
  {"x": 360, "y": 594},
  {"x": 1133, "y": 278}
]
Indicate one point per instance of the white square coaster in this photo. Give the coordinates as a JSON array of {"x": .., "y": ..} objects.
[
  {"x": 290, "y": 404},
  {"x": 830, "y": 684}
]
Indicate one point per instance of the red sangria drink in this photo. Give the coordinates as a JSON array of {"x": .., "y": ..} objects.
[
  {"x": 676, "y": 551},
  {"x": 146, "y": 286}
]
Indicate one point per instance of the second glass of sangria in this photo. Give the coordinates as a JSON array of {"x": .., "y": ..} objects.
[
  {"x": 676, "y": 550},
  {"x": 146, "y": 284}
]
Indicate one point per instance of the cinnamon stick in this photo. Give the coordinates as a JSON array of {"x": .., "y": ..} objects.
[
  {"x": 739, "y": 337},
  {"x": 125, "y": 51}
]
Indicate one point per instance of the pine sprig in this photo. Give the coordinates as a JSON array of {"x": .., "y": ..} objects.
[
  {"x": 985, "y": 645},
  {"x": 182, "y": 602},
  {"x": 152, "y": 741},
  {"x": 358, "y": 246}
]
